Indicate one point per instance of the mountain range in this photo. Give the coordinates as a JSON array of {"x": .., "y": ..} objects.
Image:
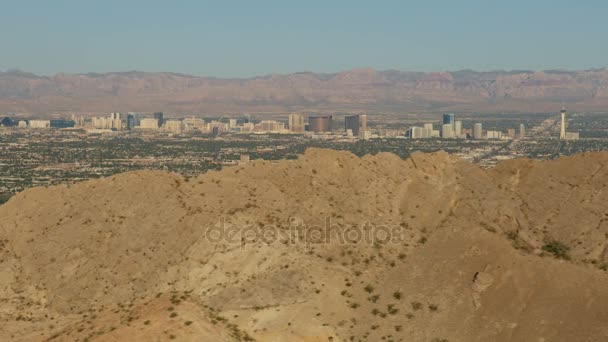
[
  {"x": 514, "y": 253},
  {"x": 358, "y": 90}
]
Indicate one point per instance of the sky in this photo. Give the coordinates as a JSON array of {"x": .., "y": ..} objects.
[{"x": 226, "y": 38}]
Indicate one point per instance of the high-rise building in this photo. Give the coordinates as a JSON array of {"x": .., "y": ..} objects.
[
  {"x": 457, "y": 128},
  {"x": 232, "y": 123},
  {"x": 477, "y": 131},
  {"x": 160, "y": 117},
  {"x": 522, "y": 131},
  {"x": 296, "y": 122},
  {"x": 364, "y": 122},
  {"x": 352, "y": 122},
  {"x": 116, "y": 124},
  {"x": 269, "y": 126},
  {"x": 115, "y": 116},
  {"x": 320, "y": 124},
  {"x": 447, "y": 131},
  {"x": 562, "y": 132},
  {"x": 174, "y": 126},
  {"x": 448, "y": 118},
  {"x": 130, "y": 121},
  {"x": 420, "y": 132},
  {"x": 511, "y": 133},
  {"x": 148, "y": 123}
]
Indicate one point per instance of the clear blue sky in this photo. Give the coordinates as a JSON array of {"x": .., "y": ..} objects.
[{"x": 244, "y": 38}]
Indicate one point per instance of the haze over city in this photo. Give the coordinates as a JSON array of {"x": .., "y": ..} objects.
[
  {"x": 427, "y": 171},
  {"x": 245, "y": 38}
]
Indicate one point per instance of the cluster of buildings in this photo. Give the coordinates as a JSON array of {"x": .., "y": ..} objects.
[
  {"x": 158, "y": 122},
  {"x": 452, "y": 129},
  {"x": 355, "y": 126},
  {"x": 53, "y": 123}
]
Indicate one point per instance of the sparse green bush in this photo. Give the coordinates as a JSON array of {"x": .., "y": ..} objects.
[
  {"x": 392, "y": 309},
  {"x": 558, "y": 249},
  {"x": 416, "y": 306}
]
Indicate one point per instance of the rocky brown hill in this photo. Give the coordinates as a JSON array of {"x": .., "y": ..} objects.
[
  {"x": 515, "y": 253},
  {"x": 353, "y": 90}
]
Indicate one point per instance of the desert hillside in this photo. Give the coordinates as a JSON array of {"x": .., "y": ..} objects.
[
  {"x": 389, "y": 91},
  {"x": 282, "y": 252}
]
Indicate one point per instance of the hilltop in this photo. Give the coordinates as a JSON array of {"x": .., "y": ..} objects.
[
  {"x": 514, "y": 253},
  {"x": 357, "y": 90}
]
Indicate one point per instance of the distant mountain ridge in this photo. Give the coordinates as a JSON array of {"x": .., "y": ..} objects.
[{"x": 354, "y": 90}]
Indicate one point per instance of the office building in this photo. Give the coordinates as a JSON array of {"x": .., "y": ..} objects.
[
  {"x": 447, "y": 131},
  {"x": 174, "y": 126},
  {"x": 457, "y": 129},
  {"x": 232, "y": 123},
  {"x": 217, "y": 127},
  {"x": 511, "y": 133},
  {"x": 61, "y": 123},
  {"x": 364, "y": 122},
  {"x": 477, "y": 131},
  {"x": 148, "y": 123},
  {"x": 39, "y": 123},
  {"x": 248, "y": 127},
  {"x": 419, "y": 132},
  {"x": 494, "y": 134},
  {"x": 269, "y": 126},
  {"x": 194, "y": 123},
  {"x": 448, "y": 119},
  {"x": 130, "y": 122},
  {"x": 562, "y": 132},
  {"x": 116, "y": 124},
  {"x": 320, "y": 124},
  {"x": 159, "y": 116},
  {"x": 352, "y": 122},
  {"x": 522, "y": 131},
  {"x": 296, "y": 122}
]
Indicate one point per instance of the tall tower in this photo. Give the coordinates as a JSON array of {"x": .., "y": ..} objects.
[
  {"x": 364, "y": 122},
  {"x": 562, "y": 132}
]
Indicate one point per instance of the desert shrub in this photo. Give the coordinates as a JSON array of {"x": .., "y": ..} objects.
[
  {"x": 558, "y": 249},
  {"x": 416, "y": 306},
  {"x": 392, "y": 309}
]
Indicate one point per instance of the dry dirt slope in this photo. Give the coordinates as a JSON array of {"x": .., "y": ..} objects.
[{"x": 516, "y": 253}]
